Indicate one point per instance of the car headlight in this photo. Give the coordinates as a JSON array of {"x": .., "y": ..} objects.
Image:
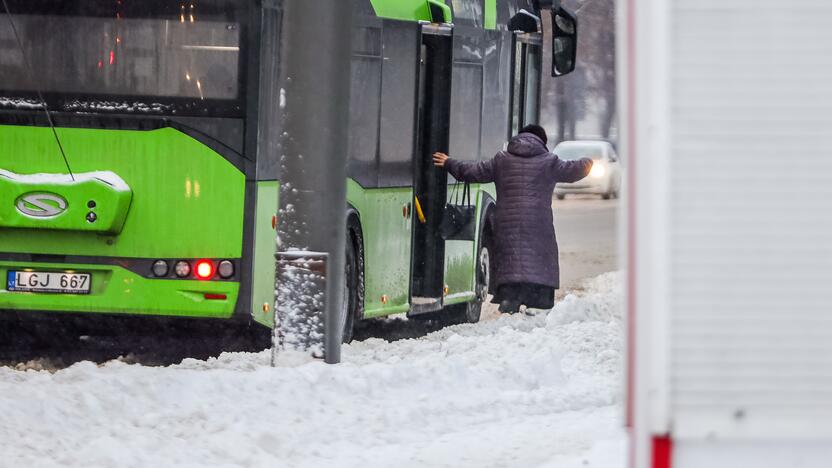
[{"x": 598, "y": 170}]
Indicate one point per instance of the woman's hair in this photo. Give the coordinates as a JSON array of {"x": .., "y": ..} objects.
[{"x": 536, "y": 130}]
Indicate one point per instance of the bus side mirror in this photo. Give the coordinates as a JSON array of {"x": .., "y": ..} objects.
[{"x": 564, "y": 42}]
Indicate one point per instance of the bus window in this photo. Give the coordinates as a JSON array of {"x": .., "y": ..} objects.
[
  {"x": 531, "y": 106},
  {"x": 496, "y": 89},
  {"x": 398, "y": 104},
  {"x": 468, "y": 11},
  {"x": 146, "y": 58},
  {"x": 517, "y": 87},
  {"x": 365, "y": 105},
  {"x": 466, "y": 110},
  {"x": 526, "y": 69}
]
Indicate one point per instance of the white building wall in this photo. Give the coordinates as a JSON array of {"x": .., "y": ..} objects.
[{"x": 727, "y": 121}]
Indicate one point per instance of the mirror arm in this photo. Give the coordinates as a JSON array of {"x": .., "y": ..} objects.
[
  {"x": 548, "y": 4},
  {"x": 525, "y": 22}
]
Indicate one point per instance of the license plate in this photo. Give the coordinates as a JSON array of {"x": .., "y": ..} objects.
[{"x": 49, "y": 282}]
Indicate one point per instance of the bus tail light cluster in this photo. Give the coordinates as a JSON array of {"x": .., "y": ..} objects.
[
  {"x": 226, "y": 269},
  {"x": 160, "y": 268},
  {"x": 204, "y": 270},
  {"x": 199, "y": 269},
  {"x": 182, "y": 269}
]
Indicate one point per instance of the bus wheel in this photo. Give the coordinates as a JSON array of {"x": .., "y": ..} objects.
[{"x": 353, "y": 281}]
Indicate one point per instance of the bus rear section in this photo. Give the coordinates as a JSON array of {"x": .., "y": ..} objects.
[
  {"x": 727, "y": 117},
  {"x": 129, "y": 196}
]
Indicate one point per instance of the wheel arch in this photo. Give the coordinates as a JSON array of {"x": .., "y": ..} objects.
[
  {"x": 356, "y": 236},
  {"x": 488, "y": 212}
]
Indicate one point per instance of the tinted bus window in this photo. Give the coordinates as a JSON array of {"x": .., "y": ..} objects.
[
  {"x": 496, "y": 90},
  {"x": 177, "y": 54},
  {"x": 365, "y": 105},
  {"x": 468, "y": 11},
  {"x": 142, "y": 57},
  {"x": 466, "y": 111}
]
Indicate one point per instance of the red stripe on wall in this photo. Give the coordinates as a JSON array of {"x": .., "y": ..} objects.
[{"x": 662, "y": 452}]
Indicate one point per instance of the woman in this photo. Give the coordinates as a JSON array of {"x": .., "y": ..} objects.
[{"x": 526, "y": 252}]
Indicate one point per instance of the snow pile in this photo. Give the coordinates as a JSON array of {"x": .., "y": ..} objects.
[{"x": 517, "y": 391}]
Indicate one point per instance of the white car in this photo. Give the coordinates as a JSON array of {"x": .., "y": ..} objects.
[{"x": 605, "y": 177}]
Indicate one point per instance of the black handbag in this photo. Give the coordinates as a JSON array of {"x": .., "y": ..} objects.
[{"x": 458, "y": 218}]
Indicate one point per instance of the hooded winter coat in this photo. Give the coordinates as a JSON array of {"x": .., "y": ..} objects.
[{"x": 525, "y": 249}]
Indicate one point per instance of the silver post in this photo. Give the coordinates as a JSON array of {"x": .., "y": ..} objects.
[{"x": 315, "y": 85}]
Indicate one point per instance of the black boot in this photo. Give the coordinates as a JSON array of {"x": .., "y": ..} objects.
[{"x": 508, "y": 306}]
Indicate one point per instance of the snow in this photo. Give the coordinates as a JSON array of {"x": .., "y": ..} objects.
[
  {"x": 113, "y": 106},
  {"x": 110, "y": 178},
  {"x": 88, "y": 106},
  {"x": 20, "y": 103},
  {"x": 511, "y": 391}
]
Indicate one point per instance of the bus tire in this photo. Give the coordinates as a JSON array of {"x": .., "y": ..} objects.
[{"x": 353, "y": 279}]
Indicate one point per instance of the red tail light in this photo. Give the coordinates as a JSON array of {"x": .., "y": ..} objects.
[
  {"x": 662, "y": 452},
  {"x": 204, "y": 270},
  {"x": 215, "y": 297}
]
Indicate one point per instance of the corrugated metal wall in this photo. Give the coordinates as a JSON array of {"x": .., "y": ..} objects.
[{"x": 751, "y": 230}]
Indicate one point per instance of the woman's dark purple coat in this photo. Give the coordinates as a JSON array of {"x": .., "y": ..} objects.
[{"x": 525, "y": 249}]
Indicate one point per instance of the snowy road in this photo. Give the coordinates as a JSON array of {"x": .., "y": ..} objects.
[
  {"x": 587, "y": 229},
  {"x": 513, "y": 391}
]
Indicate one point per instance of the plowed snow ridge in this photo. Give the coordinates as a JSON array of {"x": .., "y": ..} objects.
[{"x": 514, "y": 391}]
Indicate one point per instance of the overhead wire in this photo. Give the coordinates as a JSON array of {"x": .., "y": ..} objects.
[{"x": 30, "y": 72}]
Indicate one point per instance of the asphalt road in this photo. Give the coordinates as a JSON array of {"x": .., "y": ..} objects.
[{"x": 587, "y": 231}]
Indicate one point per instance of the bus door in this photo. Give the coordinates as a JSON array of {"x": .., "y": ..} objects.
[{"x": 429, "y": 182}]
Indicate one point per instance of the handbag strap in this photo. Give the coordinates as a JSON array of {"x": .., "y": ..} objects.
[
  {"x": 454, "y": 198},
  {"x": 458, "y": 198}
]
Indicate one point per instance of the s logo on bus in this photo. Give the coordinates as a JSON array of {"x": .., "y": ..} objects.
[{"x": 41, "y": 205}]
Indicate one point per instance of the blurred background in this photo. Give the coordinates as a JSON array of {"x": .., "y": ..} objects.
[{"x": 582, "y": 105}]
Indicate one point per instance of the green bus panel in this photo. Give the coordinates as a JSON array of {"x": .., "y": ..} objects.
[
  {"x": 461, "y": 256},
  {"x": 490, "y": 14},
  {"x": 418, "y": 10},
  {"x": 459, "y": 271},
  {"x": 265, "y": 248},
  {"x": 187, "y": 200},
  {"x": 459, "y": 262},
  {"x": 408, "y": 10},
  {"x": 387, "y": 241}
]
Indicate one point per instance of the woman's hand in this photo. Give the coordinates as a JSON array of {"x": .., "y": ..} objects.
[{"x": 439, "y": 159}]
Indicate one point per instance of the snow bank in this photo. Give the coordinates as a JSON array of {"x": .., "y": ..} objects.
[{"x": 516, "y": 391}]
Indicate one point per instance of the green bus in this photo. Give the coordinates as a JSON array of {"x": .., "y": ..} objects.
[{"x": 138, "y": 160}]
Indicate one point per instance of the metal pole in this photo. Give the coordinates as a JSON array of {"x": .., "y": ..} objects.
[{"x": 314, "y": 101}]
